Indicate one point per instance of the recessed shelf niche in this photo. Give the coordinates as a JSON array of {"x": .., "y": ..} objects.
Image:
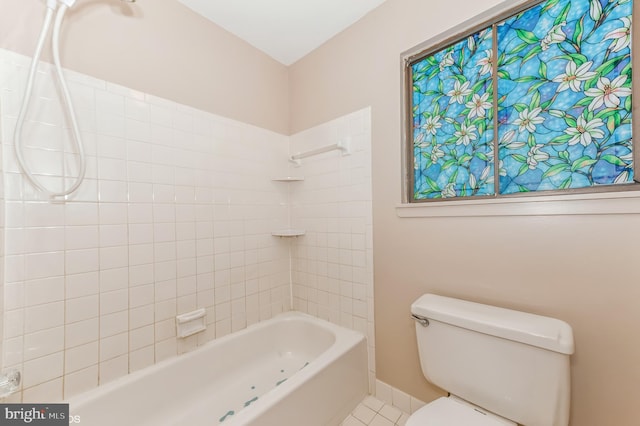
[{"x": 288, "y": 232}]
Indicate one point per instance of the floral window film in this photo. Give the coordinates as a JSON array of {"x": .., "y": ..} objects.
[
  {"x": 561, "y": 115},
  {"x": 564, "y": 96},
  {"x": 453, "y": 120}
]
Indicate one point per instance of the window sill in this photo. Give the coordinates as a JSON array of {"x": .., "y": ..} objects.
[{"x": 555, "y": 205}]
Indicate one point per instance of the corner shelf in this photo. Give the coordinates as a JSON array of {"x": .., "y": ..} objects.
[{"x": 288, "y": 233}]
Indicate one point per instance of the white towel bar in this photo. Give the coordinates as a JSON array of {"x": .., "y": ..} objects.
[{"x": 343, "y": 145}]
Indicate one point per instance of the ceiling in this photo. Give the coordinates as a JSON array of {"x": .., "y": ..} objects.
[{"x": 286, "y": 30}]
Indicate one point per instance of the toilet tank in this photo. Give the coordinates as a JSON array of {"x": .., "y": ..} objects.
[{"x": 511, "y": 363}]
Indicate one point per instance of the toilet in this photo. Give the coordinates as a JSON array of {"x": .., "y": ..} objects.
[{"x": 499, "y": 366}]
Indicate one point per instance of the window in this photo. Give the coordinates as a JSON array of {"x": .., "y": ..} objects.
[{"x": 538, "y": 100}]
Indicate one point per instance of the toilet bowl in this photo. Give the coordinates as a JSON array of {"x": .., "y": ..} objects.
[{"x": 452, "y": 411}]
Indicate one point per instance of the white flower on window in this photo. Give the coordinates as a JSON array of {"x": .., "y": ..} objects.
[
  {"x": 485, "y": 173},
  {"x": 490, "y": 152},
  {"x": 459, "y": 92},
  {"x": 595, "y": 9},
  {"x": 486, "y": 64},
  {"x": 478, "y": 105},
  {"x": 473, "y": 182},
  {"x": 449, "y": 191},
  {"x": 507, "y": 141},
  {"x": 555, "y": 35},
  {"x": 502, "y": 171},
  {"x": 585, "y": 132},
  {"x": 507, "y": 137},
  {"x": 535, "y": 156},
  {"x": 621, "y": 37},
  {"x": 466, "y": 134},
  {"x": 622, "y": 177},
  {"x": 607, "y": 92},
  {"x": 432, "y": 124},
  {"x": 471, "y": 43},
  {"x": 573, "y": 76},
  {"x": 436, "y": 154},
  {"x": 528, "y": 120},
  {"x": 447, "y": 61}
]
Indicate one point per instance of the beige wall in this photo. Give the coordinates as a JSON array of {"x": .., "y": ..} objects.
[
  {"x": 581, "y": 269},
  {"x": 163, "y": 48}
]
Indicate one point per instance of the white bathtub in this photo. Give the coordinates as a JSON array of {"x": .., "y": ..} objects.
[{"x": 292, "y": 370}]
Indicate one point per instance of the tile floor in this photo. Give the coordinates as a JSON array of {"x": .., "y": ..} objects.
[{"x": 373, "y": 412}]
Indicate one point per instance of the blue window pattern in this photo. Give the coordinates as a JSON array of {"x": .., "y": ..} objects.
[
  {"x": 564, "y": 96},
  {"x": 563, "y": 104},
  {"x": 453, "y": 120}
]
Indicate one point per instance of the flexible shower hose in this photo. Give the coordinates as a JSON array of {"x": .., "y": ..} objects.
[{"x": 55, "y": 46}]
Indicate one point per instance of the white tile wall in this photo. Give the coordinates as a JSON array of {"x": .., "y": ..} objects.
[
  {"x": 175, "y": 214},
  {"x": 333, "y": 262}
]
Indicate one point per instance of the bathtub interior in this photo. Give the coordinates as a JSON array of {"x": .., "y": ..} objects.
[
  {"x": 240, "y": 389},
  {"x": 294, "y": 344},
  {"x": 224, "y": 378},
  {"x": 253, "y": 386}
]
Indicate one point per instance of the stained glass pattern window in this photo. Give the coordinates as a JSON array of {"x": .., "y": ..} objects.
[
  {"x": 453, "y": 120},
  {"x": 564, "y": 96},
  {"x": 563, "y": 104}
]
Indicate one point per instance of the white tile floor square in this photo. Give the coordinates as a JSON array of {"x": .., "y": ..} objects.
[{"x": 373, "y": 412}]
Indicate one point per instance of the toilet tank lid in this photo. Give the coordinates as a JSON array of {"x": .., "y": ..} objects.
[{"x": 536, "y": 330}]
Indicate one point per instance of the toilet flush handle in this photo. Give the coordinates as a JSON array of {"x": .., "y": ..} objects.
[{"x": 424, "y": 321}]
